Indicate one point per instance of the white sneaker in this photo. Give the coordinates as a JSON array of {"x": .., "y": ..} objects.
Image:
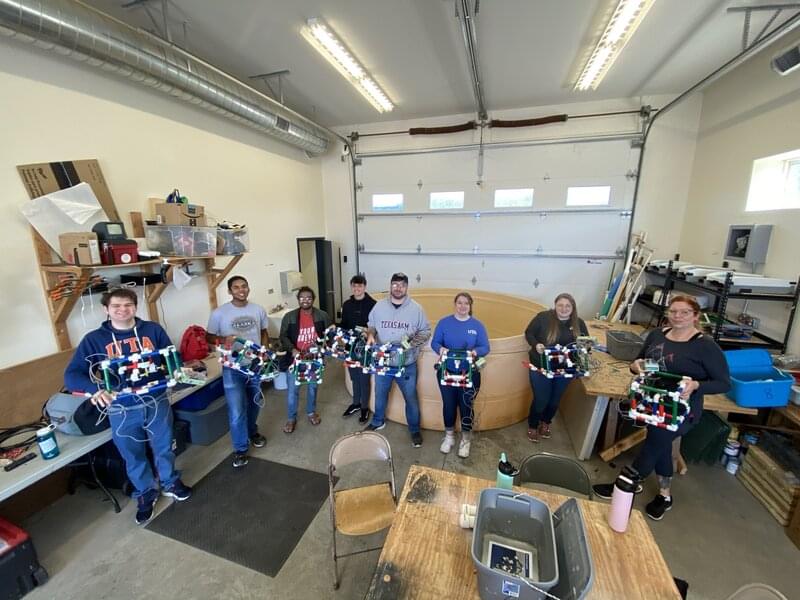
[
  {"x": 448, "y": 442},
  {"x": 463, "y": 446}
]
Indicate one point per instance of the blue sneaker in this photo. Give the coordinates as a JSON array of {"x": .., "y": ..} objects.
[
  {"x": 145, "y": 505},
  {"x": 177, "y": 490}
]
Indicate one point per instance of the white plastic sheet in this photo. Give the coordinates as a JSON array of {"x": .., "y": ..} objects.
[{"x": 65, "y": 211}]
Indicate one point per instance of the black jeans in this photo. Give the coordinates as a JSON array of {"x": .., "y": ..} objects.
[
  {"x": 656, "y": 453},
  {"x": 546, "y": 398},
  {"x": 361, "y": 386},
  {"x": 459, "y": 398}
]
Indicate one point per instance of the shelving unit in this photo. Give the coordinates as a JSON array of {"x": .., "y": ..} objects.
[
  {"x": 61, "y": 309},
  {"x": 721, "y": 297}
]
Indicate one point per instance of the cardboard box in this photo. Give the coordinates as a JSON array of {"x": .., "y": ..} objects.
[
  {"x": 45, "y": 178},
  {"x": 190, "y": 215},
  {"x": 80, "y": 248}
]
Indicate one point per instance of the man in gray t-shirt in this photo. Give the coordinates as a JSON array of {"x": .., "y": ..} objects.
[{"x": 242, "y": 319}]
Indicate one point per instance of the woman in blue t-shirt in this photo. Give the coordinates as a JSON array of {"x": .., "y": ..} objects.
[{"x": 460, "y": 331}]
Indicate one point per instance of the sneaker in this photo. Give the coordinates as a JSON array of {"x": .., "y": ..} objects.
[
  {"x": 544, "y": 430},
  {"x": 258, "y": 440},
  {"x": 416, "y": 439},
  {"x": 177, "y": 490},
  {"x": 658, "y": 506},
  {"x": 240, "y": 460},
  {"x": 373, "y": 427},
  {"x": 463, "y": 445},
  {"x": 603, "y": 490},
  {"x": 351, "y": 410},
  {"x": 145, "y": 505},
  {"x": 448, "y": 442},
  {"x": 364, "y": 416},
  {"x": 533, "y": 435}
]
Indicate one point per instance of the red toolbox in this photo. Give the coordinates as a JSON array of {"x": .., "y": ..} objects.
[{"x": 20, "y": 570}]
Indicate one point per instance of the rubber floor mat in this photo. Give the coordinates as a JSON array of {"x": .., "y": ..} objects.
[{"x": 253, "y": 516}]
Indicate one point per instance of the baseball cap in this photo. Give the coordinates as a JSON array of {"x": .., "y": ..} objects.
[{"x": 399, "y": 277}]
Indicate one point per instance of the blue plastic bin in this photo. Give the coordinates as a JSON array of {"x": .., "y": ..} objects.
[
  {"x": 202, "y": 397},
  {"x": 755, "y": 383}
]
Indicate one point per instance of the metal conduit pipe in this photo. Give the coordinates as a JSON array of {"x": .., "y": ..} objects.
[{"x": 73, "y": 29}]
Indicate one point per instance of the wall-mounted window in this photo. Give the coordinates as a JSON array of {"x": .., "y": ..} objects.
[
  {"x": 513, "y": 198},
  {"x": 387, "y": 202},
  {"x": 446, "y": 200},
  {"x": 589, "y": 195},
  {"x": 775, "y": 182}
]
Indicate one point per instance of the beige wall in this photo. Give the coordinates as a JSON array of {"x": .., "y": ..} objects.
[
  {"x": 147, "y": 143},
  {"x": 750, "y": 113}
]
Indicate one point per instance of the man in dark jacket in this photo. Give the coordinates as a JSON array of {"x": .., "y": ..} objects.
[
  {"x": 355, "y": 313},
  {"x": 300, "y": 330}
]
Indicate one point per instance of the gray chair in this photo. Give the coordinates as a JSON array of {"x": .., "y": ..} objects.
[
  {"x": 363, "y": 510},
  {"x": 552, "y": 469}
]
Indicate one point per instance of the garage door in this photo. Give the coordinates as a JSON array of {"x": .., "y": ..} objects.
[{"x": 531, "y": 221}]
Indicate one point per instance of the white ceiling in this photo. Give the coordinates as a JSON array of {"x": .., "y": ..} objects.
[{"x": 529, "y": 50}]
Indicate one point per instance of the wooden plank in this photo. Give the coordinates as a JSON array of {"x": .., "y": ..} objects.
[
  {"x": 721, "y": 403},
  {"x": 137, "y": 224},
  {"x": 624, "y": 444},
  {"x": 27, "y": 386},
  {"x": 771, "y": 471},
  {"x": 768, "y": 504},
  {"x": 217, "y": 276},
  {"x": 427, "y": 555},
  {"x": 791, "y": 412},
  {"x": 779, "y": 497}
]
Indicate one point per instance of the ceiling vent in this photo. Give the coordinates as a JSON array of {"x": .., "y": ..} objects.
[{"x": 787, "y": 61}]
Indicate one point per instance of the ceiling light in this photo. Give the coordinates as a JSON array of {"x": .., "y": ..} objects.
[
  {"x": 619, "y": 29},
  {"x": 322, "y": 37}
]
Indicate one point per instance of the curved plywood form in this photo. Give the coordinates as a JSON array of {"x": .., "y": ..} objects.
[{"x": 505, "y": 394}]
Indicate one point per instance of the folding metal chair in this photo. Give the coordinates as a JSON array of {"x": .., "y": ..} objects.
[
  {"x": 552, "y": 469},
  {"x": 363, "y": 510}
]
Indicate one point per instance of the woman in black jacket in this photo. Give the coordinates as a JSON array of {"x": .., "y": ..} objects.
[
  {"x": 560, "y": 325},
  {"x": 682, "y": 349},
  {"x": 355, "y": 313}
]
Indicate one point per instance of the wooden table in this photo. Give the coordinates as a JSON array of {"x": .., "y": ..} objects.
[
  {"x": 427, "y": 554},
  {"x": 609, "y": 381}
]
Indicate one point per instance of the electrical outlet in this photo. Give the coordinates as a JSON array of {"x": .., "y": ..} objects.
[{"x": 271, "y": 291}]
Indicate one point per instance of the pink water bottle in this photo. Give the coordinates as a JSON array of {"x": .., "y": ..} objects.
[{"x": 621, "y": 503}]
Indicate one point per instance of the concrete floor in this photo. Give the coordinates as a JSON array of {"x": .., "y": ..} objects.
[{"x": 717, "y": 536}]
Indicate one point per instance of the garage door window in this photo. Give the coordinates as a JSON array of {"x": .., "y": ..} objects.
[
  {"x": 445, "y": 200},
  {"x": 387, "y": 202},
  {"x": 513, "y": 198},
  {"x": 593, "y": 195}
]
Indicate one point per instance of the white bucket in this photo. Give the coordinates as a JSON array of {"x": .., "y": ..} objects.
[{"x": 280, "y": 381}]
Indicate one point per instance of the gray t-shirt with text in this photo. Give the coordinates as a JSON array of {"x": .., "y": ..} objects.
[{"x": 242, "y": 321}]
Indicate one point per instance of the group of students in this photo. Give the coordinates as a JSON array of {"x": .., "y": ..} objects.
[{"x": 679, "y": 348}]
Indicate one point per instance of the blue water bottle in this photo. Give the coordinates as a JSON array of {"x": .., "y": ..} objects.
[{"x": 505, "y": 473}]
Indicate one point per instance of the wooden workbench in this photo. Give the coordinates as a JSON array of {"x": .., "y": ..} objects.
[
  {"x": 608, "y": 382},
  {"x": 427, "y": 554}
]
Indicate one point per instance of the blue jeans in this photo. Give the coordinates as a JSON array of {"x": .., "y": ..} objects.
[
  {"x": 360, "y": 381},
  {"x": 459, "y": 398},
  {"x": 293, "y": 397},
  {"x": 241, "y": 393},
  {"x": 408, "y": 387},
  {"x": 546, "y": 397},
  {"x": 132, "y": 427}
]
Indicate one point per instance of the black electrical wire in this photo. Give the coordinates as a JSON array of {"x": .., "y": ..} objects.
[{"x": 9, "y": 433}]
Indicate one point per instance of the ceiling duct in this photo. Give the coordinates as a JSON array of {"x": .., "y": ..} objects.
[{"x": 76, "y": 30}]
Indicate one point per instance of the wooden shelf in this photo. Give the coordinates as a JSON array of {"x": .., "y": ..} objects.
[{"x": 791, "y": 412}]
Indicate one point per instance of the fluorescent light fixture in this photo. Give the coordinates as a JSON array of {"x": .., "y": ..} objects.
[
  {"x": 322, "y": 37},
  {"x": 619, "y": 29}
]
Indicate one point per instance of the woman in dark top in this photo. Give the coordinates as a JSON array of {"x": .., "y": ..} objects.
[
  {"x": 355, "y": 313},
  {"x": 560, "y": 325},
  {"x": 681, "y": 349}
]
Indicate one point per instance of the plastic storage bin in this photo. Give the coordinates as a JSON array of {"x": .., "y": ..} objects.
[
  {"x": 623, "y": 345},
  {"x": 202, "y": 397},
  {"x": 754, "y": 381},
  {"x": 180, "y": 240},
  {"x": 232, "y": 241},
  {"x": 208, "y": 425}
]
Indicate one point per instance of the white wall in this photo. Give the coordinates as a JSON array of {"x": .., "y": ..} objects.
[
  {"x": 663, "y": 191},
  {"x": 748, "y": 114},
  {"x": 147, "y": 143}
]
